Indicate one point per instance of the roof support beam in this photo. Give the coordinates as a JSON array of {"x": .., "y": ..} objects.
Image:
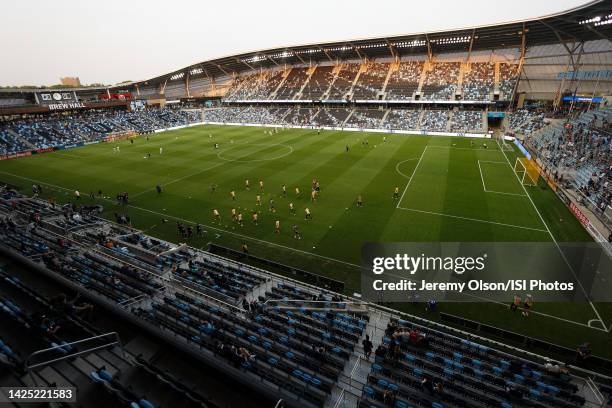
[
  {"x": 222, "y": 70},
  {"x": 274, "y": 62},
  {"x": 326, "y": 54},
  {"x": 243, "y": 62},
  {"x": 359, "y": 54},
  {"x": 429, "y": 51},
  {"x": 394, "y": 53},
  {"x": 298, "y": 57}
]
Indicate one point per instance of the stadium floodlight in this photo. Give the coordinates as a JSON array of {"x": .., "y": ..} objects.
[{"x": 527, "y": 171}]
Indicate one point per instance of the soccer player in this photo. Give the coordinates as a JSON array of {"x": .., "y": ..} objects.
[
  {"x": 239, "y": 218},
  {"x": 297, "y": 191},
  {"x": 233, "y": 214},
  {"x": 347, "y": 148},
  {"x": 233, "y": 194},
  {"x": 254, "y": 217},
  {"x": 216, "y": 215},
  {"x": 77, "y": 195},
  {"x": 158, "y": 188},
  {"x": 313, "y": 195},
  {"x": 284, "y": 190},
  {"x": 272, "y": 207},
  {"x": 296, "y": 232},
  {"x": 213, "y": 187},
  {"x": 277, "y": 227},
  {"x": 291, "y": 209},
  {"x": 161, "y": 150},
  {"x": 307, "y": 214},
  {"x": 246, "y": 184},
  {"x": 359, "y": 201},
  {"x": 396, "y": 193},
  {"x": 261, "y": 185},
  {"x": 258, "y": 200}
]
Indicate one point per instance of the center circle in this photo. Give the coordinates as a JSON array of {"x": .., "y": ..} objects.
[{"x": 280, "y": 150}]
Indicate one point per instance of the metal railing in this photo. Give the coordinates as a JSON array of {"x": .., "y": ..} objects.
[
  {"x": 600, "y": 399},
  {"x": 30, "y": 365}
]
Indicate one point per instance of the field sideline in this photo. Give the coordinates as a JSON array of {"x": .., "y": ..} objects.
[{"x": 451, "y": 189}]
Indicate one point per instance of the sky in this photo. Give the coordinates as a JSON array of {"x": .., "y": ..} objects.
[{"x": 111, "y": 41}]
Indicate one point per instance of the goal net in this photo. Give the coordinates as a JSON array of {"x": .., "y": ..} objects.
[{"x": 527, "y": 171}]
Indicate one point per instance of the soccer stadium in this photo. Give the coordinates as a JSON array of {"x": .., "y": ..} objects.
[{"x": 418, "y": 220}]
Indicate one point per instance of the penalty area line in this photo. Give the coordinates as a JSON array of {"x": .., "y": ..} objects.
[{"x": 471, "y": 219}]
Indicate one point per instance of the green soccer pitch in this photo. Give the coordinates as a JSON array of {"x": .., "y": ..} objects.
[{"x": 450, "y": 189}]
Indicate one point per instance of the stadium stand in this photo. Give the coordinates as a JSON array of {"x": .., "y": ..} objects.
[
  {"x": 467, "y": 121},
  {"x": 441, "y": 81},
  {"x": 365, "y": 118},
  {"x": 508, "y": 78},
  {"x": 319, "y": 83},
  {"x": 580, "y": 150},
  {"x": 435, "y": 120},
  {"x": 290, "y": 339},
  {"x": 404, "y": 82},
  {"x": 478, "y": 82},
  {"x": 293, "y": 83},
  {"x": 526, "y": 122},
  {"x": 343, "y": 84},
  {"x": 371, "y": 81},
  {"x": 403, "y": 119},
  {"x": 69, "y": 130}
]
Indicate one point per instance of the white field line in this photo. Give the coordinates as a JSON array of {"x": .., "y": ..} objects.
[
  {"x": 180, "y": 178},
  {"x": 481, "y": 177},
  {"x": 462, "y": 148},
  {"x": 601, "y": 321},
  {"x": 411, "y": 176},
  {"x": 484, "y": 187},
  {"x": 401, "y": 162},
  {"x": 224, "y": 161},
  {"x": 471, "y": 219}
]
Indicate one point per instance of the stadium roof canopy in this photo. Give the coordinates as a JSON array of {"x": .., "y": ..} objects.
[{"x": 591, "y": 21}]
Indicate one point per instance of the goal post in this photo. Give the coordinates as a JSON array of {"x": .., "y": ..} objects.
[{"x": 527, "y": 171}]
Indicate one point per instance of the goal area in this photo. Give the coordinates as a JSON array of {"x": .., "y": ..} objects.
[{"x": 527, "y": 171}]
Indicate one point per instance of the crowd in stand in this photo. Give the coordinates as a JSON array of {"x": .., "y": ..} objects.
[
  {"x": 35, "y": 132},
  {"x": 442, "y": 81},
  {"x": 508, "y": 76},
  {"x": 526, "y": 121},
  {"x": 466, "y": 121},
  {"x": 402, "y": 119},
  {"x": 478, "y": 82},
  {"x": 392, "y": 119},
  {"x": 581, "y": 148},
  {"x": 367, "y": 81},
  {"x": 405, "y": 81},
  {"x": 371, "y": 81},
  {"x": 435, "y": 120}
]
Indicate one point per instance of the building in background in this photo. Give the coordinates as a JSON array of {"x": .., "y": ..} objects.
[{"x": 71, "y": 81}]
